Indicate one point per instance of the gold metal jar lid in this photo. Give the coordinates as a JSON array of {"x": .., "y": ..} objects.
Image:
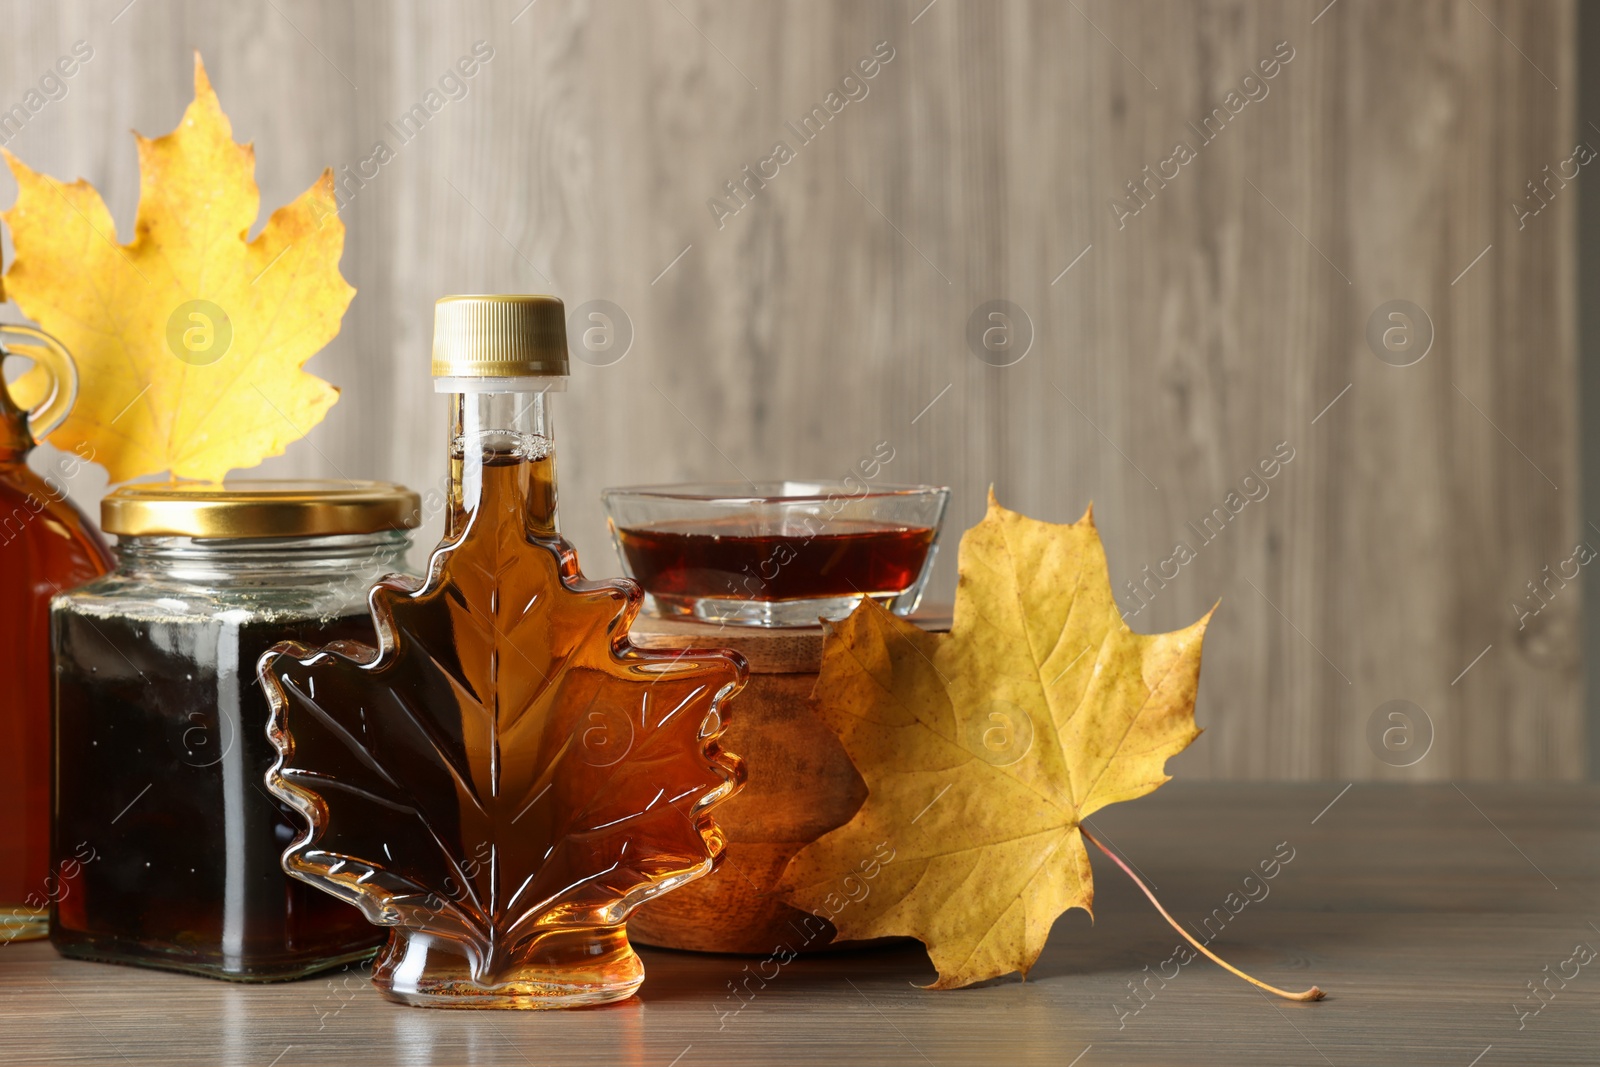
[
  {"x": 499, "y": 337},
  {"x": 250, "y": 507}
]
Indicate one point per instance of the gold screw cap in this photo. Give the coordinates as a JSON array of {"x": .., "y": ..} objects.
[
  {"x": 248, "y": 507},
  {"x": 499, "y": 337}
]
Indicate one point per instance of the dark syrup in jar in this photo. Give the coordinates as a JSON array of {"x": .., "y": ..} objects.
[{"x": 162, "y": 807}]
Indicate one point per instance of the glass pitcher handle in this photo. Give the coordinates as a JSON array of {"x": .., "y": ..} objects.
[{"x": 52, "y": 359}]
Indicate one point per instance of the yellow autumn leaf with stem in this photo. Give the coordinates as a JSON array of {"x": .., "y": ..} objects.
[
  {"x": 189, "y": 340},
  {"x": 984, "y": 749}
]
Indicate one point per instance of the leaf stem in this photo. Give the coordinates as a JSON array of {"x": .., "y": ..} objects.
[{"x": 1310, "y": 994}]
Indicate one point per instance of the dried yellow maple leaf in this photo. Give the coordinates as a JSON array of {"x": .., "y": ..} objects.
[
  {"x": 189, "y": 340},
  {"x": 984, "y": 749}
]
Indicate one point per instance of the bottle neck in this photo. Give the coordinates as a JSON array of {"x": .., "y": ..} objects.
[{"x": 502, "y": 459}]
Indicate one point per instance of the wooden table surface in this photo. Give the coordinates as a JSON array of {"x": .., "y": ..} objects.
[{"x": 1424, "y": 912}]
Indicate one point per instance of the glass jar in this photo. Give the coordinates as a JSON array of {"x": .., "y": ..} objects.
[{"x": 165, "y": 842}]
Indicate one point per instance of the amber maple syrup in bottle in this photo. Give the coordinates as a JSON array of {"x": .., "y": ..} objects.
[
  {"x": 47, "y": 546},
  {"x": 503, "y": 493},
  {"x": 547, "y": 777}
]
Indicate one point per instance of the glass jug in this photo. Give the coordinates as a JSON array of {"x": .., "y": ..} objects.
[{"x": 47, "y": 546}]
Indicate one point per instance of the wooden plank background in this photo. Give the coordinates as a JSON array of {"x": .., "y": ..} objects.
[{"x": 1182, "y": 347}]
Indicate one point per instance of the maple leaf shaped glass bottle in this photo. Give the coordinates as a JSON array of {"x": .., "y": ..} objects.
[
  {"x": 47, "y": 546},
  {"x": 506, "y": 777}
]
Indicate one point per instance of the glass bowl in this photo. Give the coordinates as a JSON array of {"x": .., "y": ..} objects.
[{"x": 776, "y": 553}]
